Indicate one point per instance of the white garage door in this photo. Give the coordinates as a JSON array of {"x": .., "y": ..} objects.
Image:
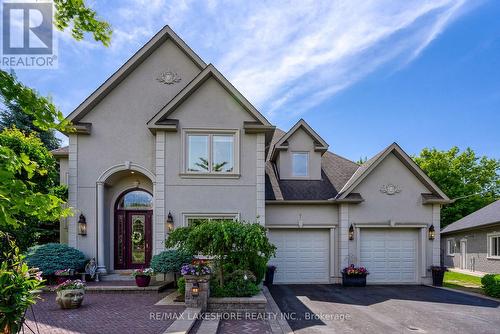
[
  {"x": 302, "y": 256},
  {"x": 389, "y": 255}
]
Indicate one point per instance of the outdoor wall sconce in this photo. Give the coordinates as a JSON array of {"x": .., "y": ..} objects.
[
  {"x": 82, "y": 225},
  {"x": 195, "y": 290},
  {"x": 170, "y": 222},
  {"x": 432, "y": 233},
  {"x": 351, "y": 232}
]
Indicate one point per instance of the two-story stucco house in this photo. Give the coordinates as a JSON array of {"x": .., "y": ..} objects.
[{"x": 167, "y": 139}]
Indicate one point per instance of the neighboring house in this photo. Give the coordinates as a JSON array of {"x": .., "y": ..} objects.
[
  {"x": 167, "y": 140},
  {"x": 473, "y": 242}
]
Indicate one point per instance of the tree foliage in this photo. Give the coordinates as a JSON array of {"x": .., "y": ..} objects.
[
  {"x": 82, "y": 19},
  {"x": 13, "y": 116},
  {"x": 474, "y": 181},
  {"x": 227, "y": 241}
]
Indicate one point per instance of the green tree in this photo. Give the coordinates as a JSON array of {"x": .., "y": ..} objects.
[
  {"x": 12, "y": 115},
  {"x": 33, "y": 229},
  {"x": 473, "y": 181}
]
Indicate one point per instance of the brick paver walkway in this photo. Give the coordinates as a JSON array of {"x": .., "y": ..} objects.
[
  {"x": 244, "y": 327},
  {"x": 105, "y": 313}
]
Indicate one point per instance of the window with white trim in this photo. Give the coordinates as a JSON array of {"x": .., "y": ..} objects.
[
  {"x": 494, "y": 245},
  {"x": 300, "y": 163},
  {"x": 450, "y": 247},
  {"x": 191, "y": 220},
  {"x": 211, "y": 153}
]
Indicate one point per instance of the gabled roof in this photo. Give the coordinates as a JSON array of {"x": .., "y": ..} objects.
[
  {"x": 319, "y": 143},
  {"x": 488, "y": 215},
  {"x": 208, "y": 72},
  {"x": 365, "y": 169},
  {"x": 129, "y": 67}
]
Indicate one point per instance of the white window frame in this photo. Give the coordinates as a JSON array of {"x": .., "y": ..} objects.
[
  {"x": 187, "y": 216},
  {"x": 450, "y": 242},
  {"x": 490, "y": 237},
  {"x": 210, "y": 133},
  {"x": 307, "y": 164}
]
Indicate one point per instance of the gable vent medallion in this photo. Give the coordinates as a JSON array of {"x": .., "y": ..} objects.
[
  {"x": 168, "y": 77},
  {"x": 390, "y": 189}
]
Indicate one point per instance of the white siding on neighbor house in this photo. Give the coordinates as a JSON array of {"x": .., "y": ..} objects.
[{"x": 302, "y": 255}]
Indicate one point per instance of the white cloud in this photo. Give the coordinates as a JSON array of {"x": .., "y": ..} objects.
[{"x": 285, "y": 56}]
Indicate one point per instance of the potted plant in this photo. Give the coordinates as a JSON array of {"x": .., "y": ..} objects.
[
  {"x": 63, "y": 275},
  {"x": 143, "y": 277},
  {"x": 269, "y": 275},
  {"x": 438, "y": 275},
  {"x": 70, "y": 294},
  {"x": 354, "y": 276}
]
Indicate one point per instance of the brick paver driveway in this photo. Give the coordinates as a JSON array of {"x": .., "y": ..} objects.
[
  {"x": 385, "y": 309},
  {"x": 105, "y": 313}
]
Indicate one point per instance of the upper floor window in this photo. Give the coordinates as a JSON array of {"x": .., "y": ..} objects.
[
  {"x": 494, "y": 245},
  {"x": 136, "y": 200},
  {"x": 210, "y": 152},
  {"x": 300, "y": 163}
]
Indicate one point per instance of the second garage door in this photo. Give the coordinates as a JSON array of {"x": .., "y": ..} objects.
[
  {"x": 390, "y": 255},
  {"x": 302, "y": 256}
]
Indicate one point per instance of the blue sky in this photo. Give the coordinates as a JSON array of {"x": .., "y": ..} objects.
[{"x": 362, "y": 73}]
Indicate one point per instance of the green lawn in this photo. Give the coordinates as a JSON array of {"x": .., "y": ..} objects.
[{"x": 462, "y": 282}]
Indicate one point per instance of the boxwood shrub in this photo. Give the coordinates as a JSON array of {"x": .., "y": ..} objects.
[
  {"x": 491, "y": 285},
  {"x": 51, "y": 257},
  {"x": 170, "y": 261}
]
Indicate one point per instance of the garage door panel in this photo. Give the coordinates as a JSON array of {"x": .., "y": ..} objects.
[
  {"x": 389, "y": 255},
  {"x": 302, "y": 256}
]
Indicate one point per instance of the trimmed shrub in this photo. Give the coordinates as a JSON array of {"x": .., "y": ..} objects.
[
  {"x": 491, "y": 285},
  {"x": 240, "y": 283},
  {"x": 170, "y": 261},
  {"x": 51, "y": 257},
  {"x": 258, "y": 265},
  {"x": 181, "y": 286}
]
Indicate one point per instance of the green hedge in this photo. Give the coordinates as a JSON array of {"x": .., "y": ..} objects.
[
  {"x": 491, "y": 285},
  {"x": 51, "y": 257}
]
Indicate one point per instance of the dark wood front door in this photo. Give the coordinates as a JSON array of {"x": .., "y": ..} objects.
[{"x": 132, "y": 238}]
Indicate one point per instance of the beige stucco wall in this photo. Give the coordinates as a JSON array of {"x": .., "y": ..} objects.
[
  {"x": 211, "y": 108},
  {"x": 63, "y": 179},
  {"x": 311, "y": 215},
  {"x": 299, "y": 141},
  {"x": 403, "y": 208},
  {"x": 119, "y": 131}
]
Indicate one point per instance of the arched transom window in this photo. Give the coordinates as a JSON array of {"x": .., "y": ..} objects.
[{"x": 136, "y": 200}]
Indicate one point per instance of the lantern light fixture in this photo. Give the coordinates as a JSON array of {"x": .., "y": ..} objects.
[
  {"x": 82, "y": 225},
  {"x": 432, "y": 233},
  {"x": 351, "y": 232},
  {"x": 170, "y": 222},
  {"x": 195, "y": 290}
]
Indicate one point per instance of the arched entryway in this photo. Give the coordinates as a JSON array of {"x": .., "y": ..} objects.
[{"x": 133, "y": 229}]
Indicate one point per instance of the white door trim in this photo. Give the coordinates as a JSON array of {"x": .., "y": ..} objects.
[{"x": 463, "y": 254}]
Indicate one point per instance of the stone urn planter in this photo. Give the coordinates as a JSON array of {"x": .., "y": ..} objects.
[
  {"x": 438, "y": 275},
  {"x": 70, "y": 299},
  {"x": 142, "y": 281}
]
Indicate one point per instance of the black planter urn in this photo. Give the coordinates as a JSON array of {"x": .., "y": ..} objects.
[
  {"x": 268, "y": 281},
  {"x": 438, "y": 275},
  {"x": 353, "y": 280}
]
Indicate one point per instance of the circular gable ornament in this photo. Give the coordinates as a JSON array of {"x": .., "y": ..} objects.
[
  {"x": 390, "y": 189},
  {"x": 168, "y": 77}
]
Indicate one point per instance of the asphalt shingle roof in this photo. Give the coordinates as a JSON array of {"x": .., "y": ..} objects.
[{"x": 490, "y": 214}]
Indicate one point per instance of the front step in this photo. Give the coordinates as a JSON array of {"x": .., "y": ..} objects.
[{"x": 118, "y": 275}]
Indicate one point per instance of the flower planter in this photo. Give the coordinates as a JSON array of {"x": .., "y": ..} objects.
[
  {"x": 142, "y": 281},
  {"x": 438, "y": 275},
  {"x": 353, "y": 280},
  {"x": 70, "y": 298}
]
